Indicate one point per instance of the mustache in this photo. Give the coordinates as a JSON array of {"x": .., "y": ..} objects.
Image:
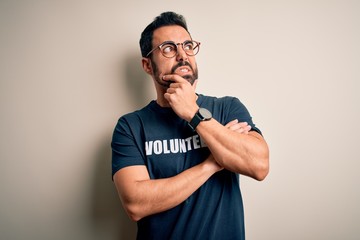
[{"x": 181, "y": 64}]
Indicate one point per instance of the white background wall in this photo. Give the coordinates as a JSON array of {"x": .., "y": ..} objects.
[{"x": 69, "y": 69}]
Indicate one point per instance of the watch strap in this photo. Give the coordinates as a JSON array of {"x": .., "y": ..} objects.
[
  {"x": 201, "y": 115},
  {"x": 195, "y": 121}
]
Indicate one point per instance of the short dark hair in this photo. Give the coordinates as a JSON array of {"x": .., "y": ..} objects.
[{"x": 164, "y": 19}]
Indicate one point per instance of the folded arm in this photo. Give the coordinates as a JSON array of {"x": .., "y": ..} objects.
[
  {"x": 142, "y": 196},
  {"x": 247, "y": 154}
]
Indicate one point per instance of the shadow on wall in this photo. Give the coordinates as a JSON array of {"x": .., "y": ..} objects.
[
  {"x": 109, "y": 217},
  {"x": 137, "y": 83}
]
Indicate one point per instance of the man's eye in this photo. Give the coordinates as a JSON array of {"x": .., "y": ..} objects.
[
  {"x": 168, "y": 49},
  {"x": 189, "y": 46}
]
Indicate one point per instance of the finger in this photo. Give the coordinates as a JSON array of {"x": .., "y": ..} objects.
[
  {"x": 235, "y": 121},
  {"x": 235, "y": 127},
  {"x": 174, "y": 85},
  {"x": 167, "y": 96},
  {"x": 171, "y": 90},
  {"x": 171, "y": 98},
  {"x": 174, "y": 78},
  {"x": 238, "y": 130},
  {"x": 246, "y": 129},
  {"x": 240, "y": 127},
  {"x": 243, "y": 124}
]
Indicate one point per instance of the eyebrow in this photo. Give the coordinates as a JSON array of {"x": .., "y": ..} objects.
[{"x": 168, "y": 41}]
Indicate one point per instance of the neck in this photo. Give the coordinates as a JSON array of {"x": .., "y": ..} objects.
[
  {"x": 162, "y": 102},
  {"x": 160, "y": 99}
]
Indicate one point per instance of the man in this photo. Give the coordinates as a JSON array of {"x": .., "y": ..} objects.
[{"x": 176, "y": 162}]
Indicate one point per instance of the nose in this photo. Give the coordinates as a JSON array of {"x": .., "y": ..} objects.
[{"x": 181, "y": 54}]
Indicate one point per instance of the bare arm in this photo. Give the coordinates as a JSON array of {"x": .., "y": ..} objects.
[
  {"x": 142, "y": 196},
  {"x": 246, "y": 154}
]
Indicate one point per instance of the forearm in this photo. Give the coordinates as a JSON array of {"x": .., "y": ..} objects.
[
  {"x": 147, "y": 197},
  {"x": 246, "y": 154}
]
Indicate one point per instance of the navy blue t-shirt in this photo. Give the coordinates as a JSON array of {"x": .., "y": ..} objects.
[{"x": 157, "y": 138}]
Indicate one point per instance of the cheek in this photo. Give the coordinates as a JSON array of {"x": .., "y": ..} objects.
[
  {"x": 162, "y": 63},
  {"x": 165, "y": 68},
  {"x": 192, "y": 62}
]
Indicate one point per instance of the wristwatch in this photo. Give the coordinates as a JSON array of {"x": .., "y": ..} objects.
[{"x": 201, "y": 115}]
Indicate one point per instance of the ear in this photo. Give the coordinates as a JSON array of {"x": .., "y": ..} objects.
[{"x": 146, "y": 64}]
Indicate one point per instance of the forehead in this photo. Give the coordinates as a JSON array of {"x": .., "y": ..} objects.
[{"x": 170, "y": 33}]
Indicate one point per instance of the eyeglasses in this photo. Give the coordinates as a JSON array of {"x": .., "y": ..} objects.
[{"x": 169, "y": 49}]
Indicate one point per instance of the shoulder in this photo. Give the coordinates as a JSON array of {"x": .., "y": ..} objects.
[
  {"x": 133, "y": 117},
  {"x": 224, "y": 101},
  {"x": 217, "y": 99},
  {"x": 130, "y": 122}
]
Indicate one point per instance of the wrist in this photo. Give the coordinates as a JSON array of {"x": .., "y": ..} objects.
[
  {"x": 211, "y": 166},
  {"x": 192, "y": 113},
  {"x": 202, "y": 114}
]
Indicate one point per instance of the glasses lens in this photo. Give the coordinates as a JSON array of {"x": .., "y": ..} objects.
[
  {"x": 168, "y": 49},
  {"x": 191, "y": 48}
]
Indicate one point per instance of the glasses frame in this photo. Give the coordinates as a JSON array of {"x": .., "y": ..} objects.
[{"x": 176, "y": 44}]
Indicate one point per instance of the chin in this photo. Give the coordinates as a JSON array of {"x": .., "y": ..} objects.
[{"x": 189, "y": 78}]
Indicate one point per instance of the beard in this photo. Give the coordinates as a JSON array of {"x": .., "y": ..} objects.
[{"x": 189, "y": 77}]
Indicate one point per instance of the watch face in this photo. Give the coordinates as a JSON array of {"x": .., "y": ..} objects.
[{"x": 206, "y": 114}]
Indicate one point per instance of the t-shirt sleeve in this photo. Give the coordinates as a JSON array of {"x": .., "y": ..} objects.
[
  {"x": 125, "y": 148},
  {"x": 239, "y": 111}
]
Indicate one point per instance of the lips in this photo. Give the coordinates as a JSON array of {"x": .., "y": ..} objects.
[{"x": 183, "y": 70}]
